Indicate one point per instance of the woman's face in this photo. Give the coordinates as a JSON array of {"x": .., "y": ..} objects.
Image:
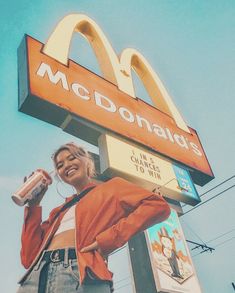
[{"x": 71, "y": 169}]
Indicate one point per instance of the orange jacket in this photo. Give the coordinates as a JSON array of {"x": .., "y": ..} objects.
[{"x": 111, "y": 214}]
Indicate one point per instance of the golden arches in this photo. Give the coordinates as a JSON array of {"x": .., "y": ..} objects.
[
  {"x": 114, "y": 70},
  {"x": 59, "y": 41},
  {"x": 131, "y": 58}
]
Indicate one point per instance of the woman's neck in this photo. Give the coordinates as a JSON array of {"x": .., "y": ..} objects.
[{"x": 82, "y": 185}]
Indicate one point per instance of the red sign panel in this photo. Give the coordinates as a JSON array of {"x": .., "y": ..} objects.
[{"x": 51, "y": 91}]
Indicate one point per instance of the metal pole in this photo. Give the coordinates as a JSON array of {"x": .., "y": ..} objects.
[{"x": 141, "y": 266}]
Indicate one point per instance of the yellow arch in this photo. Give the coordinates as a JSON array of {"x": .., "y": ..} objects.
[
  {"x": 114, "y": 70},
  {"x": 131, "y": 58},
  {"x": 59, "y": 41}
]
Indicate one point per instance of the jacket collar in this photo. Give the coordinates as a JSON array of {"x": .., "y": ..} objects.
[{"x": 91, "y": 184}]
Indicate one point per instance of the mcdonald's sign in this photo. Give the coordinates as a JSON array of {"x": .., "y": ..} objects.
[{"x": 61, "y": 92}]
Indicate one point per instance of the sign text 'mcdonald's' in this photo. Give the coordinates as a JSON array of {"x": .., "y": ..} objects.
[{"x": 52, "y": 91}]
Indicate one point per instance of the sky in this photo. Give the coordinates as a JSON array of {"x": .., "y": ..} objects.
[{"x": 191, "y": 45}]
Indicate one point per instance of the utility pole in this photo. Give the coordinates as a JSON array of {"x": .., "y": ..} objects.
[
  {"x": 233, "y": 286},
  {"x": 204, "y": 247},
  {"x": 141, "y": 265}
]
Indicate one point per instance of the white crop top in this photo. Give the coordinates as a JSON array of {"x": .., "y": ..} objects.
[{"x": 67, "y": 222}]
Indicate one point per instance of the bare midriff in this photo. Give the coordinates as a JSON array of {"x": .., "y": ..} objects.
[{"x": 63, "y": 240}]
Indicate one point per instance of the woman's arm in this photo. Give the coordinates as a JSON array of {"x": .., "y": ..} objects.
[
  {"x": 33, "y": 232},
  {"x": 143, "y": 209}
]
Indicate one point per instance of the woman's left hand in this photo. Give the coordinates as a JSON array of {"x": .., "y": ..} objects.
[{"x": 92, "y": 247}]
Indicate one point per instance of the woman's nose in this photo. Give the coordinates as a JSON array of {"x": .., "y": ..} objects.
[{"x": 67, "y": 164}]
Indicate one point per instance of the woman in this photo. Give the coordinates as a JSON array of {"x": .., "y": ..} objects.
[{"x": 67, "y": 253}]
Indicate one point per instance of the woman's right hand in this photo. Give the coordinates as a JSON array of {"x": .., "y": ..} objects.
[{"x": 37, "y": 199}]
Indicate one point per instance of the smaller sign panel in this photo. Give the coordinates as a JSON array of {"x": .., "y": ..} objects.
[
  {"x": 119, "y": 158},
  {"x": 185, "y": 183},
  {"x": 171, "y": 262}
]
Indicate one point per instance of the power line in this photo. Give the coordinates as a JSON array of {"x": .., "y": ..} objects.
[
  {"x": 220, "y": 244},
  {"x": 122, "y": 280},
  {"x": 218, "y": 185},
  {"x": 205, "y": 243},
  {"x": 209, "y": 199},
  {"x": 193, "y": 231},
  {"x": 122, "y": 286},
  {"x": 198, "y": 254},
  {"x": 226, "y": 180},
  {"x": 204, "y": 247},
  {"x": 221, "y": 235}
]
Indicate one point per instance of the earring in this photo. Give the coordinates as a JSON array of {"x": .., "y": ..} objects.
[{"x": 63, "y": 185}]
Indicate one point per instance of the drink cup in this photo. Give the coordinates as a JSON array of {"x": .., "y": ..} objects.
[{"x": 33, "y": 186}]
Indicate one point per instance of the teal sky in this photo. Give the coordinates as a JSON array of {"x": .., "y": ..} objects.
[{"x": 191, "y": 45}]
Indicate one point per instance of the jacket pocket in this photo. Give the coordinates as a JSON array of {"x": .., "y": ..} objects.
[{"x": 91, "y": 275}]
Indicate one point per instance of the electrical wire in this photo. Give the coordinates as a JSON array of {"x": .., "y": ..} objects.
[
  {"x": 197, "y": 254},
  {"x": 221, "y": 235},
  {"x": 205, "y": 202},
  {"x": 209, "y": 199},
  {"x": 194, "y": 232},
  {"x": 122, "y": 279},
  {"x": 211, "y": 240},
  {"x": 221, "y": 183},
  {"x": 200, "y": 205},
  {"x": 220, "y": 244},
  {"x": 217, "y": 185},
  {"x": 122, "y": 286}
]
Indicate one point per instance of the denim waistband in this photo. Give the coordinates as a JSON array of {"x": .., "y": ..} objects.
[{"x": 59, "y": 255}]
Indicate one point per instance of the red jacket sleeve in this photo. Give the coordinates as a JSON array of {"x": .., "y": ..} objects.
[
  {"x": 32, "y": 234},
  {"x": 142, "y": 209}
]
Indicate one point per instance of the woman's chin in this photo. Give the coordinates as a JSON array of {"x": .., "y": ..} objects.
[{"x": 78, "y": 182}]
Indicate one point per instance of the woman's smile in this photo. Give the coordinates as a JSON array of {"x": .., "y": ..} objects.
[{"x": 71, "y": 171}]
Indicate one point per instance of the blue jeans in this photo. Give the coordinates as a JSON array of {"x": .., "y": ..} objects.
[{"x": 61, "y": 277}]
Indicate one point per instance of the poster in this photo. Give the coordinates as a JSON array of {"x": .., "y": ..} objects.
[{"x": 171, "y": 262}]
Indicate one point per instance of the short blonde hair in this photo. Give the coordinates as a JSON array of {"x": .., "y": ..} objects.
[{"x": 78, "y": 152}]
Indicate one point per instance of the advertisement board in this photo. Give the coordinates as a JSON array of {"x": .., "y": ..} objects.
[
  {"x": 125, "y": 159},
  {"x": 171, "y": 262}
]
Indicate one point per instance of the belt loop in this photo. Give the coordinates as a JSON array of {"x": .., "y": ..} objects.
[
  {"x": 66, "y": 257},
  {"x": 37, "y": 266}
]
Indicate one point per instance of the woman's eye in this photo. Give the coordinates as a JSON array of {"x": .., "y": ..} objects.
[
  {"x": 59, "y": 166},
  {"x": 71, "y": 158}
]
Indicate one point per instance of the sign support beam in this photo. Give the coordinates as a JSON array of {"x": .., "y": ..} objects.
[{"x": 141, "y": 265}]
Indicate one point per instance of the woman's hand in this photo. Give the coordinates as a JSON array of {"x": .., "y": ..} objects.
[
  {"x": 36, "y": 200},
  {"x": 92, "y": 247}
]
